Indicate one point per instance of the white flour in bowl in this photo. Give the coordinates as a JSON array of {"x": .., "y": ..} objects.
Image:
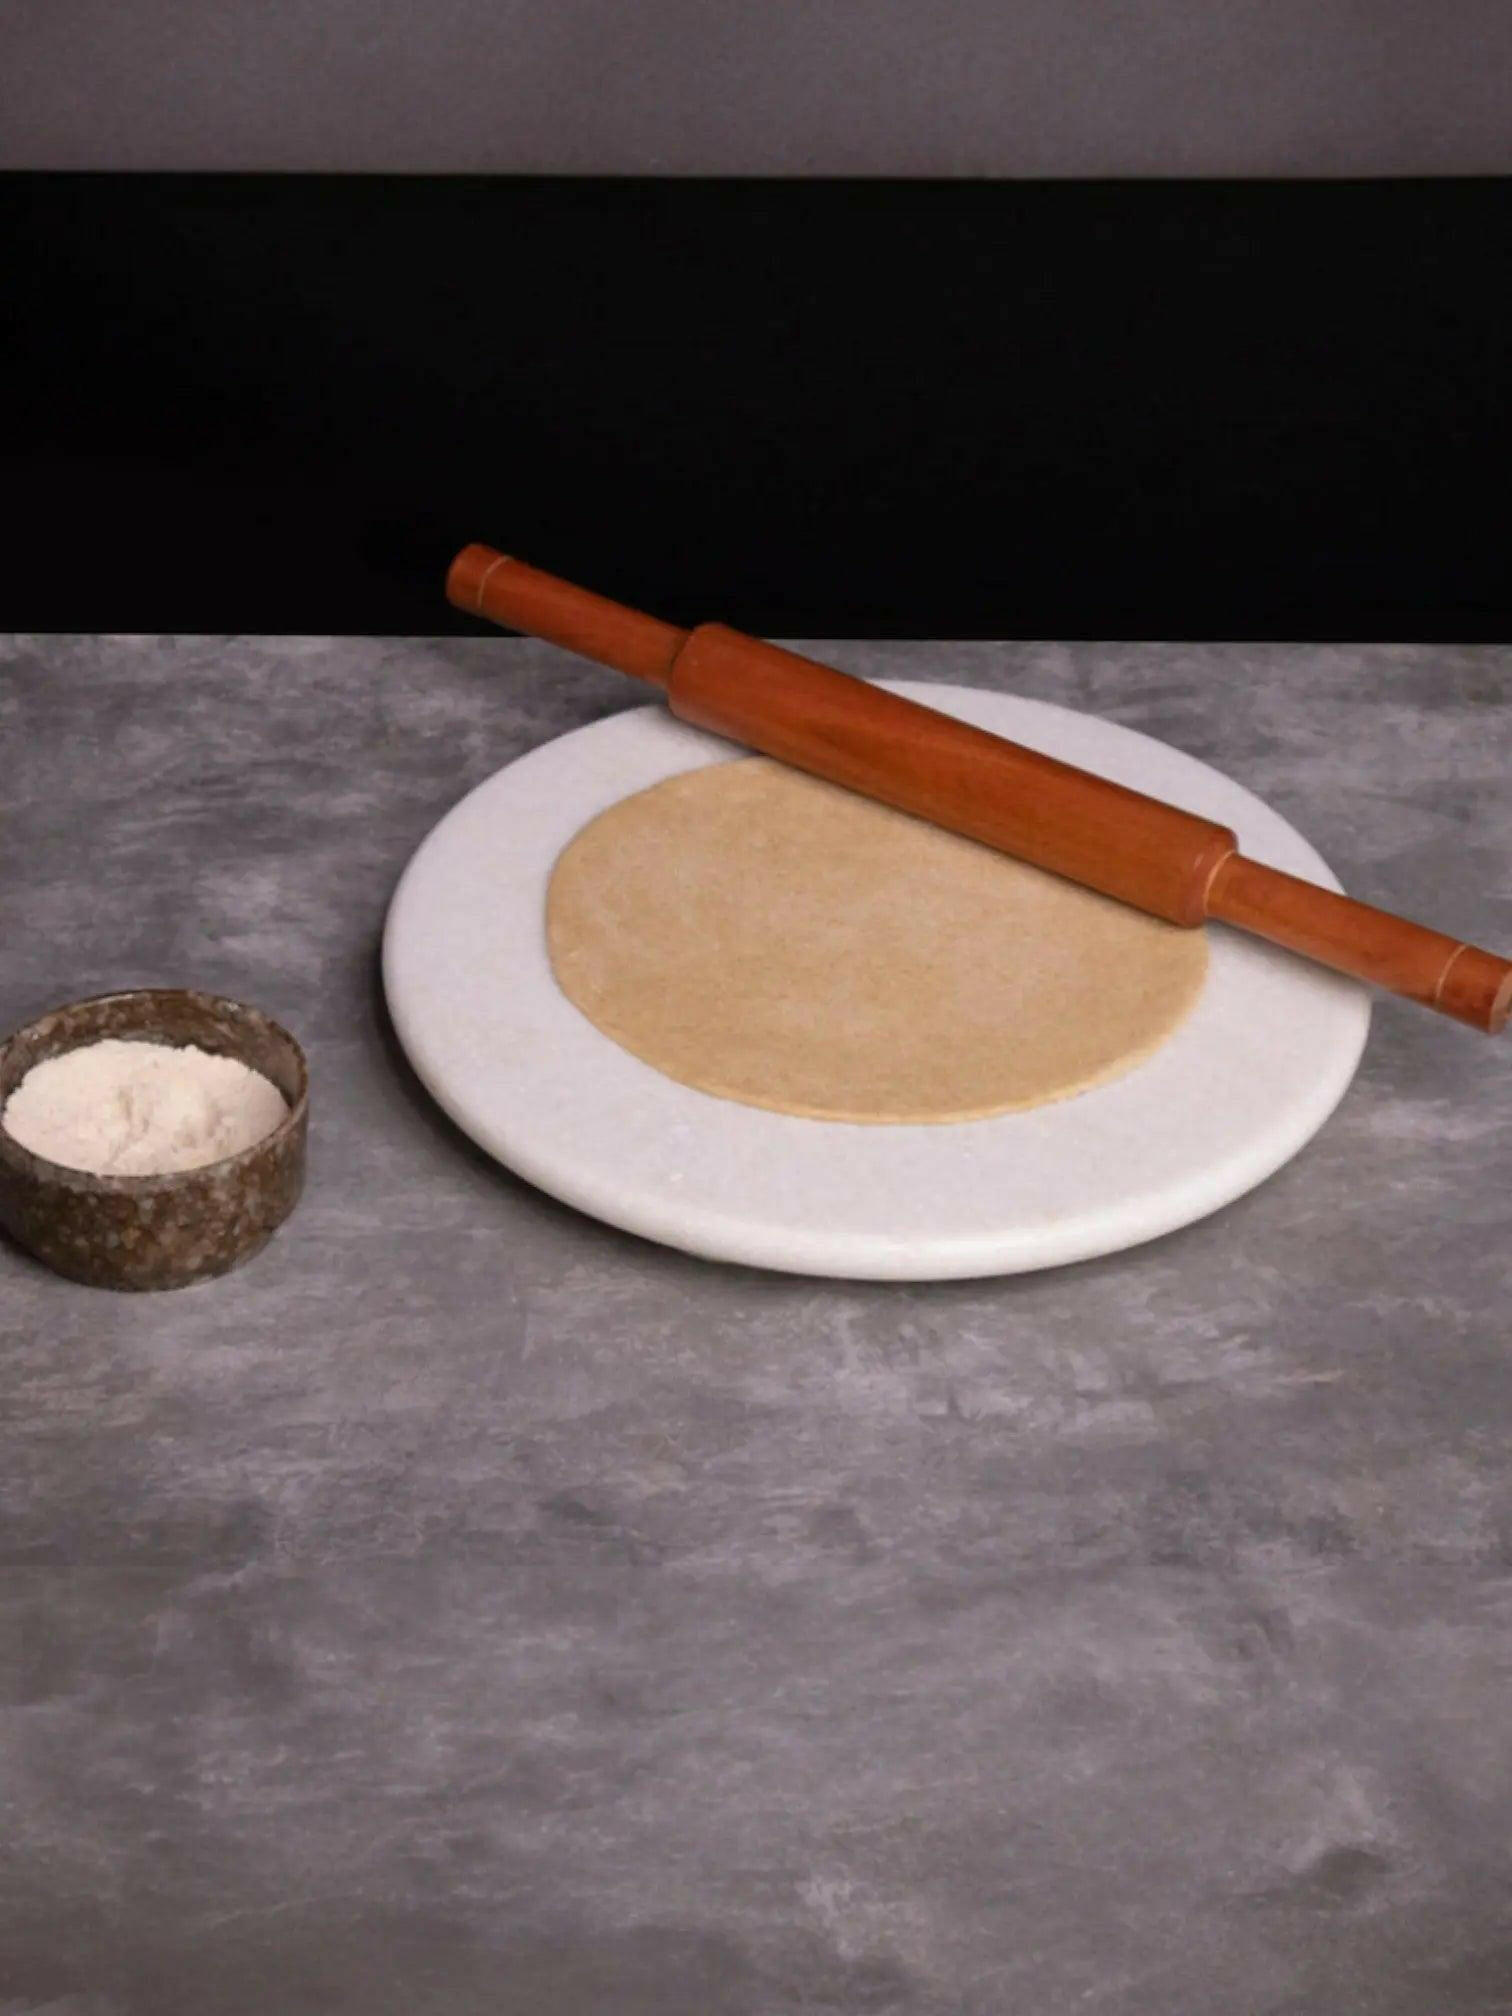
[{"x": 119, "y": 1108}]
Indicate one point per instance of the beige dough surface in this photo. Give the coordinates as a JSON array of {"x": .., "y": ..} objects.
[{"x": 777, "y": 940}]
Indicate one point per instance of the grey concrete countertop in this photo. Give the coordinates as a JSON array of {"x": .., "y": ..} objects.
[{"x": 470, "y": 1608}]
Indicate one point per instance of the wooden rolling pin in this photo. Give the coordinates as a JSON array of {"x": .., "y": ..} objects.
[{"x": 1135, "y": 848}]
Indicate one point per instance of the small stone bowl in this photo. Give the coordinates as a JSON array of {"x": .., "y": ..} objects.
[{"x": 156, "y": 1231}]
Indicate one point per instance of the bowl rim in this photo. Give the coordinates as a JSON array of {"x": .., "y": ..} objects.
[{"x": 39, "y": 1168}]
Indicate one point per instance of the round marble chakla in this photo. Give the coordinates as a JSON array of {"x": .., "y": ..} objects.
[{"x": 1242, "y": 1084}]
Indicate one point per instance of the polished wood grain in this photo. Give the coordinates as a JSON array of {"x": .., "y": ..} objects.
[
  {"x": 491, "y": 584},
  {"x": 1368, "y": 944},
  {"x": 1101, "y": 834},
  {"x": 1148, "y": 854}
]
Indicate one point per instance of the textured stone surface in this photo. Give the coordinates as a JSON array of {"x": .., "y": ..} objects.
[{"x": 465, "y": 1607}]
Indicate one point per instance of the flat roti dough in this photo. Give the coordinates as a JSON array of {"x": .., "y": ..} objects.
[{"x": 777, "y": 940}]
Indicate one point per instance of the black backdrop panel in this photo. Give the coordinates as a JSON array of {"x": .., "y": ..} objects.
[{"x": 1168, "y": 409}]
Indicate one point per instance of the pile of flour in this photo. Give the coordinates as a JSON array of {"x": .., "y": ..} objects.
[{"x": 118, "y": 1108}]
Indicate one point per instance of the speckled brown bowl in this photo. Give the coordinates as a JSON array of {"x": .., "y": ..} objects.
[{"x": 156, "y": 1231}]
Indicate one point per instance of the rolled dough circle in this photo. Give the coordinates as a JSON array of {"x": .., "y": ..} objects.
[{"x": 773, "y": 939}]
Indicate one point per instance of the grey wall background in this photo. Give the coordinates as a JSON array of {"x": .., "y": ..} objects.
[{"x": 790, "y": 87}]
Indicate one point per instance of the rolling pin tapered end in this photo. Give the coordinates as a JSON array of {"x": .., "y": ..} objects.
[
  {"x": 466, "y": 576},
  {"x": 1476, "y": 987},
  {"x": 520, "y": 597}
]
